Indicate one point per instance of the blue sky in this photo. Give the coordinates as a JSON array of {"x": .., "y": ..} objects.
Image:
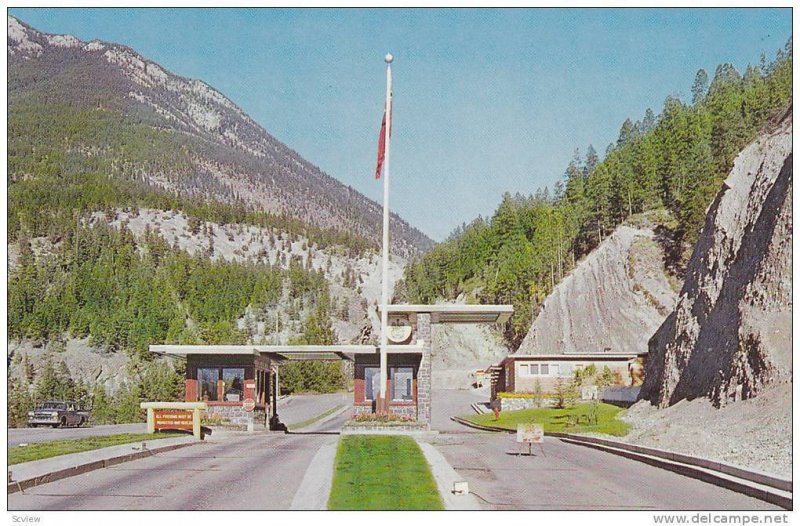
[{"x": 485, "y": 101}]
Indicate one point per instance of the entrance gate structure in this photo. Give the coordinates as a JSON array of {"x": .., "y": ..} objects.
[
  {"x": 240, "y": 383},
  {"x": 408, "y": 389}
]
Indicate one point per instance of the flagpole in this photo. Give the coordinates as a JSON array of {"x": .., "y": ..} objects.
[{"x": 383, "y": 406}]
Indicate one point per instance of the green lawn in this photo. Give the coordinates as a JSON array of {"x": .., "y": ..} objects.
[
  {"x": 560, "y": 420},
  {"x": 19, "y": 454},
  {"x": 382, "y": 472}
]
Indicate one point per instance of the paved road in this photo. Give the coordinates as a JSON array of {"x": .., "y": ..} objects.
[
  {"x": 231, "y": 472},
  {"x": 292, "y": 409},
  {"x": 565, "y": 476},
  {"x": 451, "y": 402},
  {"x": 298, "y": 408},
  {"x": 47, "y": 434},
  {"x": 264, "y": 470}
]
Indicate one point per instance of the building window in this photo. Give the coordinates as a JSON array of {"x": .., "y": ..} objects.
[
  {"x": 372, "y": 382},
  {"x": 207, "y": 378},
  {"x": 543, "y": 369},
  {"x": 529, "y": 369},
  {"x": 402, "y": 383},
  {"x": 233, "y": 378}
]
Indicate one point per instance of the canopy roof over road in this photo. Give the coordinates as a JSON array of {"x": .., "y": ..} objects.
[
  {"x": 283, "y": 352},
  {"x": 454, "y": 313},
  {"x": 447, "y": 313}
]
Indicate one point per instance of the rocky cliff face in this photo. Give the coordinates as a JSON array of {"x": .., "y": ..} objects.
[
  {"x": 730, "y": 335},
  {"x": 613, "y": 300}
]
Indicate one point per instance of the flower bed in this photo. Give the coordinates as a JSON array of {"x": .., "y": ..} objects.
[
  {"x": 383, "y": 418},
  {"x": 392, "y": 422}
]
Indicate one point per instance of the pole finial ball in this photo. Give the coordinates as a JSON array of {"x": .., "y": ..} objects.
[{"x": 388, "y": 58}]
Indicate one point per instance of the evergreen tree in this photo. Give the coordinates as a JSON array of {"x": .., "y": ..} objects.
[
  {"x": 625, "y": 133},
  {"x": 676, "y": 161},
  {"x": 649, "y": 121},
  {"x": 19, "y": 402},
  {"x": 591, "y": 161},
  {"x": 50, "y": 385},
  {"x": 700, "y": 87}
]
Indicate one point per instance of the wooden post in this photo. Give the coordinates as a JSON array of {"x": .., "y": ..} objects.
[
  {"x": 196, "y": 428},
  {"x": 151, "y": 420}
]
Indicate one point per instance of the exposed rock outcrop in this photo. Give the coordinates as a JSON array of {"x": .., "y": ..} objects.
[
  {"x": 461, "y": 349},
  {"x": 613, "y": 300},
  {"x": 730, "y": 335}
]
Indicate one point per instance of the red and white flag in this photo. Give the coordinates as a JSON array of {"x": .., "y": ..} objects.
[{"x": 381, "y": 146}]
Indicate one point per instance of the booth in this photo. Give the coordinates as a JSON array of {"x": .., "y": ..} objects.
[
  {"x": 239, "y": 384},
  {"x": 408, "y": 361}
]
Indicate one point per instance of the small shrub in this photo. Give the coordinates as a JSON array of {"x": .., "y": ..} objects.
[
  {"x": 515, "y": 395},
  {"x": 538, "y": 394},
  {"x": 564, "y": 394}
]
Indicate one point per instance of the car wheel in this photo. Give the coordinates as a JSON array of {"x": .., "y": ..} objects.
[{"x": 80, "y": 423}]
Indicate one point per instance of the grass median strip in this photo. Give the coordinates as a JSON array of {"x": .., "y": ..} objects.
[
  {"x": 574, "y": 419},
  {"x": 382, "y": 472},
  {"x": 41, "y": 450},
  {"x": 306, "y": 423}
]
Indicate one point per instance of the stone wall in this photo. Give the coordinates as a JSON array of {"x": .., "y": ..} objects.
[
  {"x": 362, "y": 409},
  {"x": 424, "y": 374},
  {"x": 405, "y": 410},
  {"x": 514, "y": 404},
  {"x": 234, "y": 417},
  {"x": 381, "y": 427}
]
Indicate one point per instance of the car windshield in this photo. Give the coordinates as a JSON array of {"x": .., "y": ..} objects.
[{"x": 52, "y": 405}]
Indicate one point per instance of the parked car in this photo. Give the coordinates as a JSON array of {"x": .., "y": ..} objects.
[{"x": 57, "y": 413}]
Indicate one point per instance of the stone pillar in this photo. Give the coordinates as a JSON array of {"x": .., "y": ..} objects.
[{"x": 424, "y": 373}]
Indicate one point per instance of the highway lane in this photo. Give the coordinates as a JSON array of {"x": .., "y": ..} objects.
[
  {"x": 27, "y": 435},
  {"x": 299, "y": 408},
  {"x": 260, "y": 471},
  {"x": 292, "y": 409},
  {"x": 564, "y": 476},
  {"x": 454, "y": 402},
  {"x": 263, "y": 471}
]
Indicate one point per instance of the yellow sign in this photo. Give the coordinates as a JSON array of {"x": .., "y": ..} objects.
[
  {"x": 173, "y": 419},
  {"x": 530, "y": 433}
]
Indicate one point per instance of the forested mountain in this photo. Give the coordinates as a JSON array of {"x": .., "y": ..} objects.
[
  {"x": 145, "y": 208},
  {"x": 674, "y": 161},
  {"x": 96, "y": 125}
]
